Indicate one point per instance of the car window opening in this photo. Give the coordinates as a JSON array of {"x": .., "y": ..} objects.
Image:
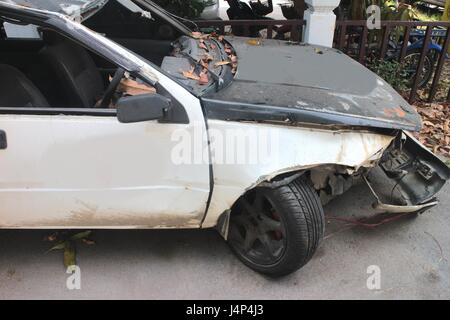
[{"x": 39, "y": 68}]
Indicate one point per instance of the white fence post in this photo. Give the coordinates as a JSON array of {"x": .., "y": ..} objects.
[{"x": 320, "y": 22}]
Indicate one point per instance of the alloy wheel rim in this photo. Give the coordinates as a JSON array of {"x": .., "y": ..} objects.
[{"x": 257, "y": 231}]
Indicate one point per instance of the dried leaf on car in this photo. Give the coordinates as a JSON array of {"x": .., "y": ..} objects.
[
  {"x": 254, "y": 42},
  {"x": 196, "y": 35},
  {"x": 190, "y": 75},
  {"x": 203, "y": 79},
  {"x": 204, "y": 63},
  {"x": 208, "y": 57},
  {"x": 134, "y": 88},
  {"x": 202, "y": 45},
  {"x": 222, "y": 63}
]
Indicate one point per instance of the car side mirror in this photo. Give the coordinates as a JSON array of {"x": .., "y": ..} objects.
[{"x": 142, "y": 108}]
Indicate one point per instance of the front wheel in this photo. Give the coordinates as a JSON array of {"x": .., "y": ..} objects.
[{"x": 276, "y": 231}]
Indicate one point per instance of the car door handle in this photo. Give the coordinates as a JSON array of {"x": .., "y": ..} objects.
[{"x": 3, "y": 142}]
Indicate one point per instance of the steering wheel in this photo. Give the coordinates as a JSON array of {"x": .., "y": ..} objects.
[{"x": 109, "y": 93}]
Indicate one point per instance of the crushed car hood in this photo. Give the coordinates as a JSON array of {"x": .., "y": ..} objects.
[
  {"x": 306, "y": 79},
  {"x": 75, "y": 9}
]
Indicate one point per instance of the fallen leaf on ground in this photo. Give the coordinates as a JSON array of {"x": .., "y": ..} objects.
[
  {"x": 67, "y": 243},
  {"x": 435, "y": 133},
  {"x": 69, "y": 254},
  {"x": 52, "y": 237},
  {"x": 59, "y": 246},
  {"x": 88, "y": 242},
  {"x": 81, "y": 235}
]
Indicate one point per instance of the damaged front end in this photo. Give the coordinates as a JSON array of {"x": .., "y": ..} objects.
[
  {"x": 414, "y": 176},
  {"x": 304, "y": 89},
  {"x": 418, "y": 175}
]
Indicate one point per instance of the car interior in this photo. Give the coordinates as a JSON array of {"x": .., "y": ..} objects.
[
  {"x": 41, "y": 68},
  {"x": 49, "y": 70},
  {"x": 151, "y": 38}
]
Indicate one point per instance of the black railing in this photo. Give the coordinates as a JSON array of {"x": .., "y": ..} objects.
[{"x": 293, "y": 27}]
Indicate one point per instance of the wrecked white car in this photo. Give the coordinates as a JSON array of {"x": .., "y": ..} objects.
[{"x": 113, "y": 114}]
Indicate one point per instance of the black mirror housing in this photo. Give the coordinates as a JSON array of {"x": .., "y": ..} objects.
[{"x": 142, "y": 108}]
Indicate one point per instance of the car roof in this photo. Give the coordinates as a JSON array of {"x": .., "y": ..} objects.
[{"x": 71, "y": 8}]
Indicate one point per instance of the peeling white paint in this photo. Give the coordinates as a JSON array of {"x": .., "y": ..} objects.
[
  {"x": 302, "y": 103},
  {"x": 345, "y": 105}
]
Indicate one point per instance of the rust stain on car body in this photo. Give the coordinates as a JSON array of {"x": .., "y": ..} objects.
[
  {"x": 126, "y": 220},
  {"x": 394, "y": 112}
]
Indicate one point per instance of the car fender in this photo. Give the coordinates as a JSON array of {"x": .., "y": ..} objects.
[{"x": 293, "y": 149}]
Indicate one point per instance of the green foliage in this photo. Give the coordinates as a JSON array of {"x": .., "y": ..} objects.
[
  {"x": 67, "y": 242},
  {"x": 391, "y": 71},
  {"x": 395, "y": 10},
  {"x": 390, "y": 9},
  {"x": 186, "y": 9}
]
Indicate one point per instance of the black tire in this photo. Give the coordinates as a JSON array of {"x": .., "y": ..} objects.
[
  {"x": 289, "y": 217},
  {"x": 411, "y": 61}
]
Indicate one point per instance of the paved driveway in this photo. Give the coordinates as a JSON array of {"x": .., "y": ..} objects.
[{"x": 198, "y": 264}]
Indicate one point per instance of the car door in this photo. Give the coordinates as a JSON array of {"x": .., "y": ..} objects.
[{"x": 82, "y": 171}]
